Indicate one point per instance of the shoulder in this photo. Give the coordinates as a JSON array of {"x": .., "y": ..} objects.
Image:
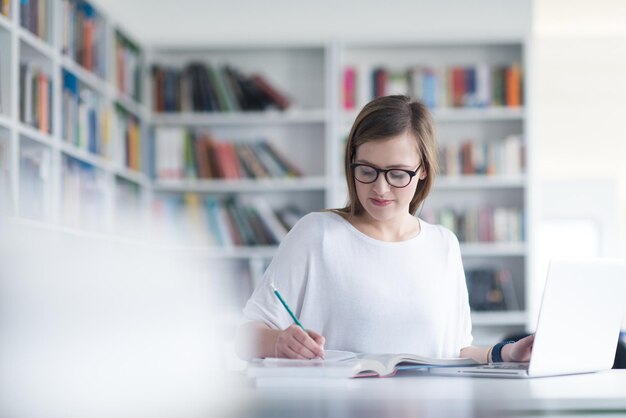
[
  {"x": 314, "y": 225},
  {"x": 439, "y": 235}
]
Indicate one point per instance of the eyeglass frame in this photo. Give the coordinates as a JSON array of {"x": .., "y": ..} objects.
[{"x": 412, "y": 174}]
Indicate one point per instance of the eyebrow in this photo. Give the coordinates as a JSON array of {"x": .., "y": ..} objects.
[{"x": 402, "y": 166}]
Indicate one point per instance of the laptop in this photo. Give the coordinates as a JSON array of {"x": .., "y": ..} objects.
[{"x": 578, "y": 326}]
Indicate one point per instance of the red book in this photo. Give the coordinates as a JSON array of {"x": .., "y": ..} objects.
[
  {"x": 458, "y": 86},
  {"x": 43, "y": 103},
  {"x": 349, "y": 88},
  {"x": 513, "y": 85}
]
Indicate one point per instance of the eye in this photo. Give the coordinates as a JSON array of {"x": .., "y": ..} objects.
[
  {"x": 365, "y": 171},
  {"x": 398, "y": 174}
]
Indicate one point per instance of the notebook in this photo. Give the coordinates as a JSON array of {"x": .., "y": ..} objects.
[
  {"x": 344, "y": 364},
  {"x": 578, "y": 326}
]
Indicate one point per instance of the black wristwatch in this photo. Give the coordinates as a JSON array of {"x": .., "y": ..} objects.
[{"x": 496, "y": 352}]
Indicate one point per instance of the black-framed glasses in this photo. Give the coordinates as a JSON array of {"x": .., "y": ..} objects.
[{"x": 396, "y": 177}]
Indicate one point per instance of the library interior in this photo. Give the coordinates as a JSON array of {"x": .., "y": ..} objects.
[{"x": 154, "y": 155}]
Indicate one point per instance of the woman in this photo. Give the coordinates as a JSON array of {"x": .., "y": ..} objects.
[{"x": 372, "y": 277}]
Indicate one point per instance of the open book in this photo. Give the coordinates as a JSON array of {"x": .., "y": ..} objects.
[{"x": 344, "y": 364}]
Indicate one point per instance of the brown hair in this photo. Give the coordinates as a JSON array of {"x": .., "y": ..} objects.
[{"x": 384, "y": 118}]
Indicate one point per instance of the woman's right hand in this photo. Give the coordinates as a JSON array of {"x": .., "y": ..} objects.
[{"x": 294, "y": 342}]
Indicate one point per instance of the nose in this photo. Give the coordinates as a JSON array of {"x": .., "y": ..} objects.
[{"x": 380, "y": 186}]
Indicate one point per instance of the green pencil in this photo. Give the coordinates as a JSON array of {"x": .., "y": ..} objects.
[{"x": 280, "y": 298}]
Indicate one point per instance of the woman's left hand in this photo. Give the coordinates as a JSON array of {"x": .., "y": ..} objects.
[{"x": 519, "y": 351}]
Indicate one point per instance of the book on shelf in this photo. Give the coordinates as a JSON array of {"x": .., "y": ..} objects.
[
  {"x": 5, "y": 8},
  {"x": 224, "y": 222},
  {"x": 34, "y": 17},
  {"x": 83, "y": 195},
  {"x": 181, "y": 153},
  {"x": 491, "y": 289},
  {"x": 127, "y": 66},
  {"x": 84, "y": 36},
  {"x": 202, "y": 87},
  {"x": 345, "y": 364},
  {"x": 34, "y": 180},
  {"x": 35, "y": 97},
  {"x": 479, "y": 85},
  {"x": 485, "y": 224},
  {"x": 469, "y": 157},
  {"x": 349, "y": 88},
  {"x": 126, "y": 133},
  {"x": 82, "y": 116}
]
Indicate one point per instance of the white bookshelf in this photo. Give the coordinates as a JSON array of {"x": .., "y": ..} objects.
[
  {"x": 485, "y": 124},
  {"x": 310, "y": 133},
  {"x": 47, "y": 200}
]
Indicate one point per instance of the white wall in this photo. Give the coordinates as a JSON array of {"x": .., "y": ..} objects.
[
  {"x": 187, "y": 22},
  {"x": 578, "y": 94},
  {"x": 578, "y": 133}
]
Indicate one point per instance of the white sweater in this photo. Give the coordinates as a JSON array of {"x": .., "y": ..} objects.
[{"x": 366, "y": 295}]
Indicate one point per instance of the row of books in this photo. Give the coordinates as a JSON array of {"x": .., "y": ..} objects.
[
  {"x": 84, "y": 36},
  {"x": 126, "y": 133},
  {"x": 83, "y": 116},
  {"x": 34, "y": 17},
  {"x": 181, "y": 153},
  {"x": 34, "y": 180},
  {"x": 502, "y": 157},
  {"x": 35, "y": 97},
  {"x": 128, "y": 67},
  {"x": 486, "y": 224},
  {"x": 229, "y": 222},
  {"x": 201, "y": 87},
  {"x": 83, "y": 195},
  {"x": 480, "y": 85},
  {"x": 491, "y": 289}
]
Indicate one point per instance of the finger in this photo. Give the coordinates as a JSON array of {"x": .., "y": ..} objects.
[
  {"x": 310, "y": 348},
  {"x": 295, "y": 351},
  {"x": 317, "y": 338}
]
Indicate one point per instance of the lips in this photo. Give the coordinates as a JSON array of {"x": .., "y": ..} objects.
[{"x": 381, "y": 202}]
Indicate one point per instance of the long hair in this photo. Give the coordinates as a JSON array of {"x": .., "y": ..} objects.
[{"x": 384, "y": 118}]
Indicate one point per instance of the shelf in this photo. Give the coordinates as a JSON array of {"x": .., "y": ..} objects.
[
  {"x": 83, "y": 155},
  {"x": 505, "y": 318},
  {"x": 36, "y": 43},
  {"x": 478, "y": 114},
  {"x": 479, "y": 182},
  {"x": 462, "y": 114},
  {"x": 493, "y": 249},
  {"x": 240, "y": 118},
  {"x": 92, "y": 80},
  {"x": 5, "y": 22},
  {"x": 131, "y": 175},
  {"x": 5, "y": 122},
  {"x": 128, "y": 103},
  {"x": 36, "y": 135},
  {"x": 244, "y": 185}
]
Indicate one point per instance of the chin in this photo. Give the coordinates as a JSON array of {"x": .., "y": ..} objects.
[{"x": 381, "y": 214}]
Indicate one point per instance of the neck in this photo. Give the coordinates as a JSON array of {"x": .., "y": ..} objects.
[{"x": 392, "y": 230}]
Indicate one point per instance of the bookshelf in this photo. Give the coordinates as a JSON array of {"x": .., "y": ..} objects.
[
  {"x": 95, "y": 160},
  {"x": 62, "y": 164},
  {"x": 481, "y": 192}
]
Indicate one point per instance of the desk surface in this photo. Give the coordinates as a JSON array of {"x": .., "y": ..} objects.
[{"x": 418, "y": 394}]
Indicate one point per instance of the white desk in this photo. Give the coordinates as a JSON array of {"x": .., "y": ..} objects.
[{"x": 417, "y": 394}]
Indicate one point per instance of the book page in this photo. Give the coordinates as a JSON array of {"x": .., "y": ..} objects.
[{"x": 330, "y": 356}]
